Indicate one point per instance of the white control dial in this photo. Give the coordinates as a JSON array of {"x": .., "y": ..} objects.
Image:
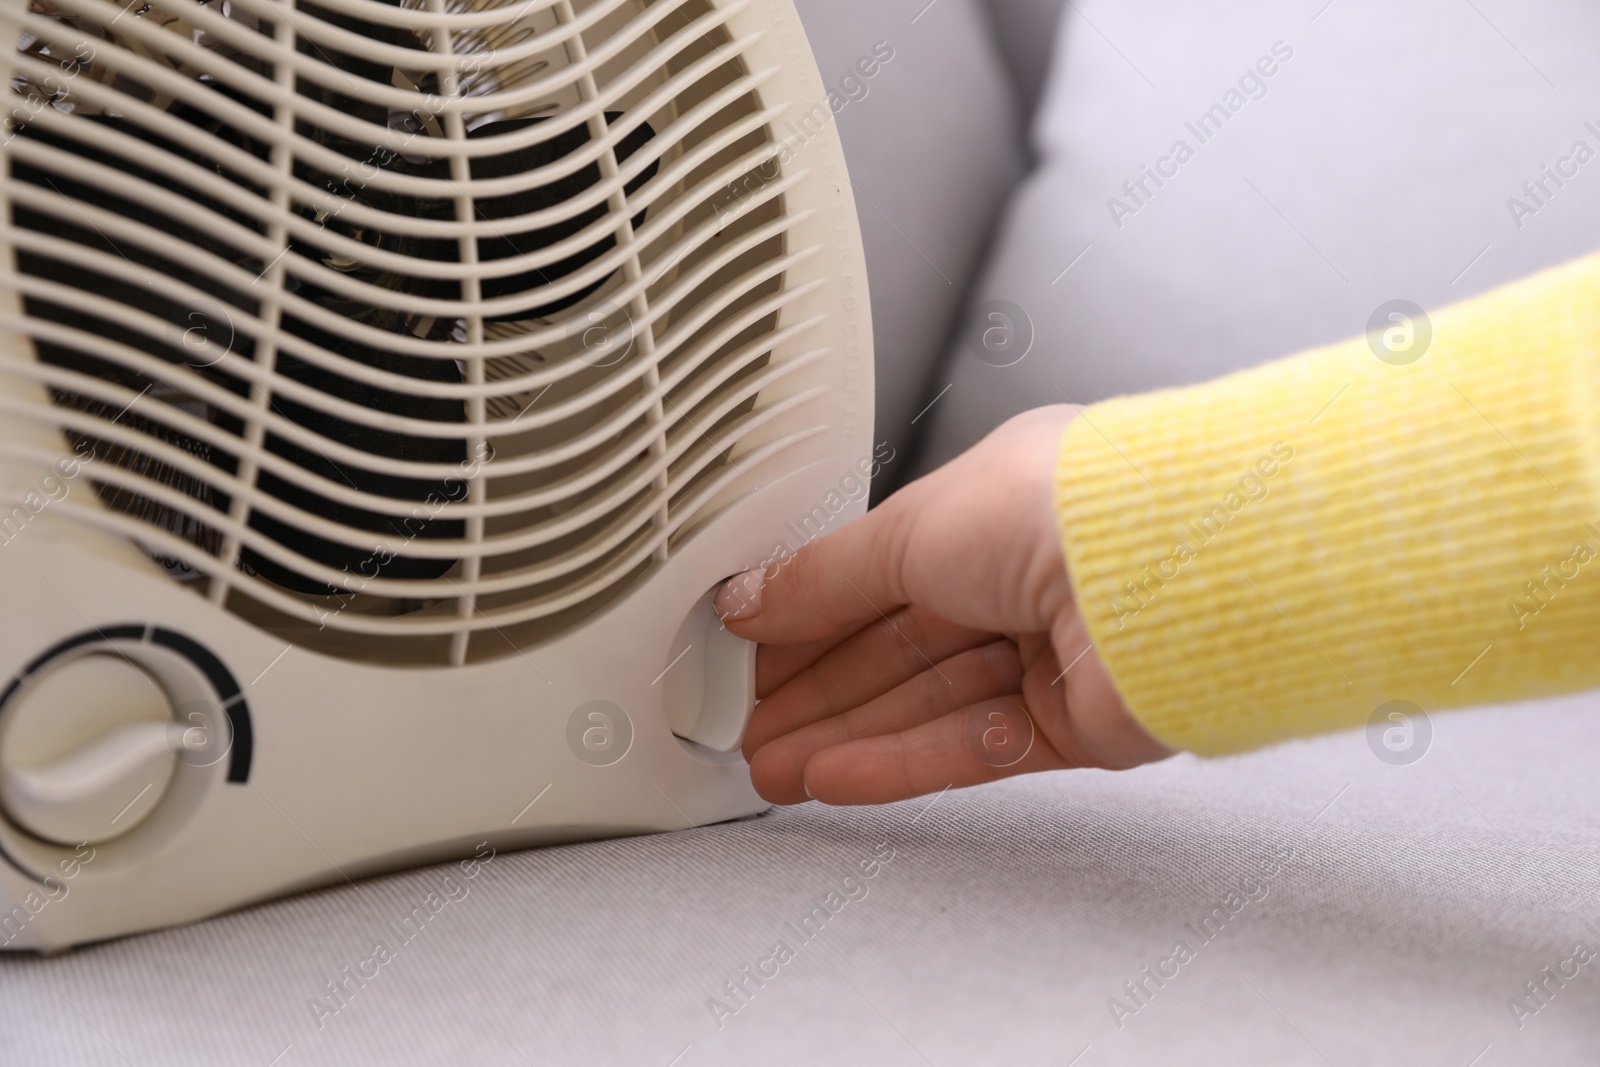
[{"x": 87, "y": 749}]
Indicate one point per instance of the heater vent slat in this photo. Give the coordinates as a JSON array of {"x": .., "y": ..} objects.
[{"x": 409, "y": 331}]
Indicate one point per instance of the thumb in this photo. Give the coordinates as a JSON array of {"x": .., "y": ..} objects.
[{"x": 849, "y": 577}]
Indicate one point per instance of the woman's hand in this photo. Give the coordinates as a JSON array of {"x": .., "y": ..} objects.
[{"x": 934, "y": 642}]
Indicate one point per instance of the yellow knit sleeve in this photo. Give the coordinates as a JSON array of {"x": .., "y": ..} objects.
[{"x": 1283, "y": 550}]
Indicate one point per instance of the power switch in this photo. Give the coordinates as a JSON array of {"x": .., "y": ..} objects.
[{"x": 710, "y": 681}]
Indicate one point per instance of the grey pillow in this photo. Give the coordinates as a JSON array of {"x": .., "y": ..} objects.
[
  {"x": 934, "y": 144},
  {"x": 1383, "y": 159}
]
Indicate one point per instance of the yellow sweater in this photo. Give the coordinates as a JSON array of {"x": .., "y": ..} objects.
[{"x": 1284, "y": 550}]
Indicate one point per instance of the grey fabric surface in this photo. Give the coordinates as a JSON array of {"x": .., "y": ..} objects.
[
  {"x": 1417, "y": 901},
  {"x": 935, "y": 144},
  {"x": 1376, "y": 165}
]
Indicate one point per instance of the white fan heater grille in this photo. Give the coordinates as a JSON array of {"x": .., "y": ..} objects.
[{"x": 410, "y": 332}]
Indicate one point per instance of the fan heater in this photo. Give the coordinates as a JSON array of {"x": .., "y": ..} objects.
[{"x": 385, "y": 385}]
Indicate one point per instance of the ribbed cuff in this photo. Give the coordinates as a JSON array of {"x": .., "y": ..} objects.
[{"x": 1282, "y": 551}]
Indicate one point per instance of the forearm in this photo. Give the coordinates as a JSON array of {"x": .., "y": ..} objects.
[{"x": 1281, "y": 551}]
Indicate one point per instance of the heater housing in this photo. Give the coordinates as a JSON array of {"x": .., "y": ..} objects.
[{"x": 384, "y": 390}]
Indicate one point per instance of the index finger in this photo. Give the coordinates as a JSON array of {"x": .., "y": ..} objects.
[{"x": 836, "y": 582}]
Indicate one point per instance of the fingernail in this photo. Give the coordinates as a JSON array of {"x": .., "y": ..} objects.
[
  {"x": 739, "y": 597},
  {"x": 807, "y": 787}
]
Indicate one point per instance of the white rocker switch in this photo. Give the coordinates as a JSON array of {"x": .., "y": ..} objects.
[{"x": 710, "y": 680}]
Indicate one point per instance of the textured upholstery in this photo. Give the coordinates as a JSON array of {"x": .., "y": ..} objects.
[{"x": 1415, "y": 903}]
